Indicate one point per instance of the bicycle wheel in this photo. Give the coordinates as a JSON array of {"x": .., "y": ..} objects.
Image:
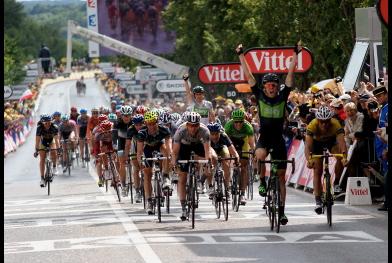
[
  {"x": 278, "y": 215},
  {"x": 47, "y": 177},
  {"x": 167, "y": 199},
  {"x": 236, "y": 191},
  {"x": 225, "y": 205},
  {"x": 250, "y": 182},
  {"x": 69, "y": 160},
  {"x": 129, "y": 189},
  {"x": 158, "y": 196},
  {"x": 115, "y": 180},
  {"x": 193, "y": 201},
  {"x": 328, "y": 200}
]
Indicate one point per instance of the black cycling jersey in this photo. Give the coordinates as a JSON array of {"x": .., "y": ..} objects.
[
  {"x": 224, "y": 140},
  {"x": 152, "y": 140},
  {"x": 131, "y": 132},
  {"x": 46, "y": 135},
  {"x": 271, "y": 111},
  {"x": 122, "y": 128}
]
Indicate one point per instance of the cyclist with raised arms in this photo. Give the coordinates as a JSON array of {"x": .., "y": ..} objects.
[
  {"x": 223, "y": 147},
  {"x": 271, "y": 102},
  {"x": 46, "y": 136},
  {"x": 153, "y": 137},
  {"x": 197, "y": 103},
  {"x": 120, "y": 135},
  {"x": 324, "y": 132},
  {"x": 130, "y": 147},
  {"x": 191, "y": 136},
  {"x": 82, "y": 122},
  {"x": 241, "y": 133}
]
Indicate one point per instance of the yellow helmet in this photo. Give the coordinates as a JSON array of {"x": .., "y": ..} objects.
[{"x": 150, "y": 116}]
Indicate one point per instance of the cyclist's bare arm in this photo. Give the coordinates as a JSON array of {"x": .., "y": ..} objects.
[
  {"x": 290, "y": 75},
  {"x": 251, "y": 140},
  {"x": 246, "y": 68},
  {"x": 189, "y": 97},
  {"x": 139, "y": 151},
  {"x": 175, "y": 151},
  {"x": 168, "y": 143},
  {"x": 308, "y": 146},
  {"x": 128, "y": 143},
  {"x": 207, "y": 152},
  {"x": 37, "y": 141}
]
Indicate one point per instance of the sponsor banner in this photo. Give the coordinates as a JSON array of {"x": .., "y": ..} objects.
[
  {"x": 92, "y": 24},
  {"x": 172, "y": 85},
  {"x": 260, "y": 60},
  {"x": 382, "y": 11}
]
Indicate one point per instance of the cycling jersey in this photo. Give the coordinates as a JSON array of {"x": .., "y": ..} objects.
[
  {"x": 224, "y": 141},
  {"x": 46, "y": 135},
  {"x": 82, "y": 123},
  {"x": 120, "y": 130},
  {"x": 334, "y": 129},
  {"x": 153, "y": 139},
  {"x": 239, "y": 137},
  {"x": 271, "y": 112},
  {"x": 203, "y": 109},
  {"x": 66, "y": 129},
  {"x": 74, "y": 117},
  {"x": 100, "y": 137},
  {"x": 182, "y": 136},
  {"x": 92, "y": 123}
]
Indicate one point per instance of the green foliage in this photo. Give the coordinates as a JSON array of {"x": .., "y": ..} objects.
[{"x": 12, "y": 61}]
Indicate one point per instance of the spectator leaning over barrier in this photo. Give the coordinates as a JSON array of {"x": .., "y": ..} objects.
[
  {"x": 381, "y": 94},
  {"x": 353, "y": 123}
]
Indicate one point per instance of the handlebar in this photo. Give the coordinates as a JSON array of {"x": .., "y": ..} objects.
[
  {"x": 292, "y": 161},
  {"x": 194, "y": 161},
  {"x": 156, "y": 158},
  {"x": 328, "y": 155}
]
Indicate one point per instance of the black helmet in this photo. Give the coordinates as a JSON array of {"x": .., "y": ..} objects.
[
  {"x": 198, "y": 89},
  {"x": 270, "y": 77}
]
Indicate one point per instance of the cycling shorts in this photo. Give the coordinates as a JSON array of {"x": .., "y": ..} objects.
[
  {"x": 148, "y": 150},
  {"x": 318, "y": 146},
  {"x": 82, "y": 132},
  {"x": 185, "y": 153},
  {"x": 278, "y": 147},
  {"x": 224, "y": 153},
  {"x": 121, "y": 144}
]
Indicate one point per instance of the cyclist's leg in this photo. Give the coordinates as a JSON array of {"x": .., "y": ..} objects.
[
  {"x": 338, "y": 165},
  {"x": 42, "y": 157},
  {"x": 226, "y": 165},
  {"x": 244, "y": 175},
  {"x": 261, "y": 154},
  {"x": 122, "y": 159},
  {"x": 317, "y": 173},
  {"x": 184, "y": 154},
  {"x": 214, "y": 159}
]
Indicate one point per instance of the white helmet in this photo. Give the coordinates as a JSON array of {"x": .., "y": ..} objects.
[
  {"x": 126, "y": 110},
  {"x": 184, "y": 116},
  {"x": 194, "y": 118},
  {"x": 324, "y": 113}
]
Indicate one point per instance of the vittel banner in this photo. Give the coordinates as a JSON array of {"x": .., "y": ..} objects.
[
  {"x": 92, "y": 24},
  {"x": 260, "y": 60}
]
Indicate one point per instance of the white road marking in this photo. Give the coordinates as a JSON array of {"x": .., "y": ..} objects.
[{"x": 188, "y": 239}]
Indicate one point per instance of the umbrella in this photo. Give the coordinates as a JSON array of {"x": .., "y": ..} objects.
[{"x": 26, "y": 95}]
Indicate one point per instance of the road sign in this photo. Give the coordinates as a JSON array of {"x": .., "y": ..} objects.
[
  {"x": 7, "y": 92},
  {"x": 171, "y": 85}
]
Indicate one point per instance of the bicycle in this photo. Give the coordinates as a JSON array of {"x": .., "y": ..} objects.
[
  {"x": 327, "y": 195},
  {"x": 192, "y": 196},
  {"x": 235, "y": 187},
  {"x": 272, "y": 200},
  {"x": 111, "y": 174},
  {"x": 221, "y": 192},
  {"x": 157, "y": 198},
  {"x": 68, "y": 162},
  {"x": 86, "y": 158},
  {"x": 48, "y": 176},
  {"x": 128, "y": 179},
  {"x": 250, "y": 175}
]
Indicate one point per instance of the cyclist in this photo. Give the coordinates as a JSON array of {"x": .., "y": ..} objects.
[
  {"x": 271, "y": 101},
  {"x": 46, "y": 136},
  {"x": 113, "y": 105},
  {"x": 153, "y": 137},
  {"x": 197, "y": 103},
  {"x": 56, "y": 118},
  {"x": 73, "y": 115},
  {"x": 92, "y": 123},
  {"x": 324, "y": 132},
  {"x": 140, "y": 110},
  {"x": 120, "y": 135},
  {"x": 96, "y": 148},
  {"x": 130, "y": 147},
  {"x": 80, "y": 86},
  {"x": 112, "y": 117},
  {"x": 223, "y": 147},
  {"x": 241, "y": 133},
  {"x": 82, "y": 123},
  {"x": 191, "y": 136},
  {"x": 68, "y": 131}
]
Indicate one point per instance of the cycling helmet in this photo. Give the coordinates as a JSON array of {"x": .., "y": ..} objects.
[
  {"x": 238, "y": 115},
  {"x": 164, "y": 118},
  {"x": 126, "y": 110},
  {"x": 112, "y": 117},
  {"x": 141, "y": 110},
  {"x": 106, "y": 125},
  {"x": 102, "y": 118},
  {"x": 324, "y": 113},
  {"x": 105, "y": 110},
  {"x": 151, "y": 116},
  {"x": 214, "y": 127},
  {"x": 198, "y": 89},
  {"x": 113, "y": 102},
  {"x": 65, "y": 117},
  {"x": 270, "y": 77},
  {"x": 45, "y": 118},
  {"x": 174, "y": 117},
  {"x": 194, "y": 118},
  {"x": 56, "y": 113},
  {"x": 160, "y": 111},
  {"x": 74, "y": 109},
  {"x": 83, "y": 111},
  {"x": 138, "y": 118},
  {"x": 184, "y": 115}
]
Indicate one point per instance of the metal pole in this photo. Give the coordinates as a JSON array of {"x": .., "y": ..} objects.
[{"x": 69, "y": 47}]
